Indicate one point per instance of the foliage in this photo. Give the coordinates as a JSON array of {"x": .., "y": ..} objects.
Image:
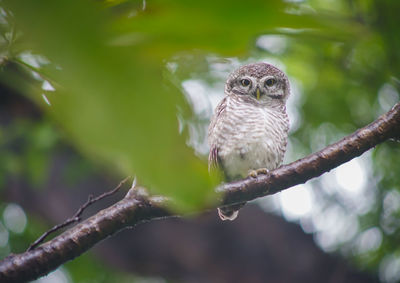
[{"x": 116, "y": 96}]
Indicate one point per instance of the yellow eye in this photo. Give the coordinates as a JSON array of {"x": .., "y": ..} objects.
[
  {"x": 270, "y": 82},
  {"x": 245, "y": 82}
]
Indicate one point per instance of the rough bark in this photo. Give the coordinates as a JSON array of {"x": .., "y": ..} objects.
[{"x": 136, "y": 207}]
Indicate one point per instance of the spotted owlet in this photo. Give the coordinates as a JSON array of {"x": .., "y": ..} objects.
[{"x": 249, "y": 130}]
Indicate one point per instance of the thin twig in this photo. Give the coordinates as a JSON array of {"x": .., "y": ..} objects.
[{"x": 77, "y": 216}]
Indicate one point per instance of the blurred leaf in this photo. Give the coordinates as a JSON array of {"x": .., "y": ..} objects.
[{"x": 112, "y": 102}]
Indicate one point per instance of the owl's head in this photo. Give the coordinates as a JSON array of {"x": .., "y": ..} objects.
[{"x": 259, "y": 83}]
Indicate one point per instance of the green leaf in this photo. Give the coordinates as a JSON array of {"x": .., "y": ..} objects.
[{"x": 111, "y": 101}]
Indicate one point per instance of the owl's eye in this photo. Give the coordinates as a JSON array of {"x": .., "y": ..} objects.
[
  {"x": 270, "y": 82},
  {"x": 245, "y": 82}
]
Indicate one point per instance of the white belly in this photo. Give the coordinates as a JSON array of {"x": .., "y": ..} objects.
[{"x": 249, "y": 155}]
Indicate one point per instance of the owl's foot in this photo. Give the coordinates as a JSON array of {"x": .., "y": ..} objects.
[{"x": 255, "y": 173}]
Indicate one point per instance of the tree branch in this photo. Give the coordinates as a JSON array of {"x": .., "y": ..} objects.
[{"x": 136, "y": 207}]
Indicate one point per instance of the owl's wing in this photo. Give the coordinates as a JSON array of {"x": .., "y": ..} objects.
[{"x": 214, "y": 161}]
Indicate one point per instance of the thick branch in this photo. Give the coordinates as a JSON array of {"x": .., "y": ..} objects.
[
  {"x": 73, "y": 242},
  {"x": 136, "y": 208}
]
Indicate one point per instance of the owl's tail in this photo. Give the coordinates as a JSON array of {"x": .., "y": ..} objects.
[{"x": 230, "y": 212}]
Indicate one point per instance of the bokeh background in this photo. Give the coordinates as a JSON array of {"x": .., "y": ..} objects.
[{"x": 93, "y": 91}]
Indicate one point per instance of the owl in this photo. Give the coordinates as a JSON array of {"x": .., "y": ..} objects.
[{"x": 248, "y": 132}]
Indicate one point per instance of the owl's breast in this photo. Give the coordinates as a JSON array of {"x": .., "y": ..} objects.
[{"x": 251, "y": 138}]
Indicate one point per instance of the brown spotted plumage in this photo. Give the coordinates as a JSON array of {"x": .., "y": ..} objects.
[{"x": 249, "y": 129}]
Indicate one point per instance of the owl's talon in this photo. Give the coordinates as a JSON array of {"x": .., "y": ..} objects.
[
  {"x": 255, "y": 173},
  {"x": 252, "y": 173},
  {"x": 263, "y": 171}
]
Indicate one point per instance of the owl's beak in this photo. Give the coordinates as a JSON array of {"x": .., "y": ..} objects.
[{"x": 258, "y": 93}]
